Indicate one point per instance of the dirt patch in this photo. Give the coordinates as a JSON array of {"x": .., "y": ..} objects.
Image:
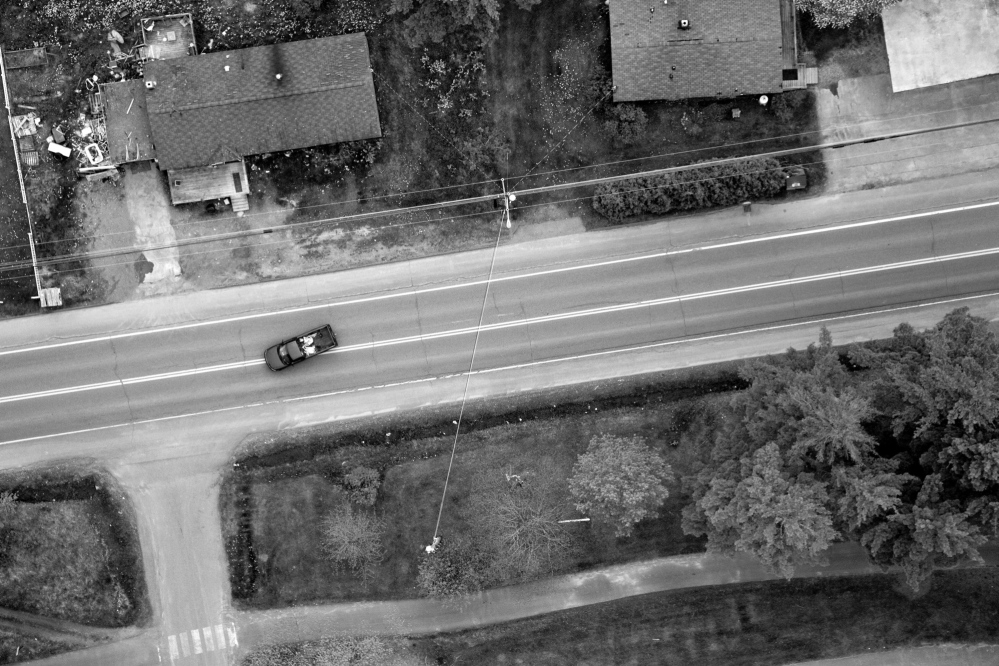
[{"x": 106, "y": 222}]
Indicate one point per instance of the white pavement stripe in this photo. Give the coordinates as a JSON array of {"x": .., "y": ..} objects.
[
  {"x": 507, "y": 368},
  {"x": 608, "y": 309},
  {"x": 520, "y": 276},
  {"x": 219, "y": 636},
  {"x": 209, "y": 641},
  {"x": 172, "y": 647},
  {"x": 231, "y": 631},
  {"x": 196, "y": 639},
  {"x": 184, "y": 647}
]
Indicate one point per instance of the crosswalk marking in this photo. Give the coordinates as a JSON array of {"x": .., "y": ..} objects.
[
  {"x": 172, "y": 644},
  {"x": 209, "y": 641},
  {"x": 198, "y": 641}
]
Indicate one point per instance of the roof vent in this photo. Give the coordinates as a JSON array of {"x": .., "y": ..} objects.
[
  {"x": 150, "y": 85},
  {"x": 227, "y": 68},
  {"x": 684, "y": 24},
  {"x": 277, "y": 76}
]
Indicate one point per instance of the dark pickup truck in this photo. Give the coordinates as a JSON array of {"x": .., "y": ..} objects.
[{"x": 299, "y": 348}]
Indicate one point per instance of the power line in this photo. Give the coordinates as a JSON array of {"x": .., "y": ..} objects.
[
  {"x": 522, "y": 177},
  {"x": 483, "y": 198}
]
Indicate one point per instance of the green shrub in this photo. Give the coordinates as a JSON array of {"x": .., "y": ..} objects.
[
  {"x": 785, "y": 105},
  {"x": 362, "y": 484},
  {"x": 711, "y": 185},
  {"x": 626, "y": 123}
]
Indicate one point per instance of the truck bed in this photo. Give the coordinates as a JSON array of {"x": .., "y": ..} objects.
[{"x": 322, "y": 338}]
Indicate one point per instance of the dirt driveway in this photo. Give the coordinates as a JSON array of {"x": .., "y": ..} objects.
[{"x": 149, "y": 207}]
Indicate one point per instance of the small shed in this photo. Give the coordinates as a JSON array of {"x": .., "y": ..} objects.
[
  {"x": 167, "y": 37},
  {"x": 129, "y": 136}
]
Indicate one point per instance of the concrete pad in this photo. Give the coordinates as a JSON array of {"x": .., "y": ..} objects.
[
  {"x": 931, "y": 42},
  {"x": 867, "y": 106},
  {"x": 149, "y": 205}
]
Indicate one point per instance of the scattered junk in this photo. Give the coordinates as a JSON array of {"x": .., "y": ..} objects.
[
  {"x": 26, "y": 131},
  {"x": 93, "y": 153},
  {"x": 736, "y": 114},
  {"x": 60, "y": 149},
  {"x": 796, "y": 178}
]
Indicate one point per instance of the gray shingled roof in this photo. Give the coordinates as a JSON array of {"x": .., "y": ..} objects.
[
  {"x": 201, "y": 114},
  {"x": 733, "y": 47}
]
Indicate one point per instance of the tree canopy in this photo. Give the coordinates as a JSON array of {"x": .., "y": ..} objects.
[
  {"x": 902, "y": 456},
  {"x": 619, "y": 481},
  {"x": 841, "y": 13}
]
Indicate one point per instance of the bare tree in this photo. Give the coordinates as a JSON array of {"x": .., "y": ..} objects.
[
  {"x": 353, "y": 538},
  {"x": 520, "y": 521}
]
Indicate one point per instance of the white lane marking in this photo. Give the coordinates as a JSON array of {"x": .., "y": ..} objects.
[
  {"x": 133, "y": 380},
  {"x": 219, "y": 637},
  {"x": 172, "y": 646},
  {"x": 519, "y": 276},
  {"x": 231, "y": 631},
  {"x": 196, "y": 639},
  {"x": 209, "y": 641},
  {"x": 184, "y": 647},
  {"x": 423, "y": 337},
  {"x": 550, "y": 361}
]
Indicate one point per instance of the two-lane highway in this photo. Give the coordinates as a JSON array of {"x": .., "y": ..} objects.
[{"x": 411, "y": 329}]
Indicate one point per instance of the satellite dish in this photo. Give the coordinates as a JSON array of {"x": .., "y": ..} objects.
[{"x": 763, "y": 100}]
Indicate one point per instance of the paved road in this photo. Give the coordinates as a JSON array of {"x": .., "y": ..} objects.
[
  {"x": 421, "y": 324},
  {"x": 167, "y": 458}
]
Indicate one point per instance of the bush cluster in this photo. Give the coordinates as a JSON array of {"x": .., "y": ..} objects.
[{"x": 711, "y": 185}]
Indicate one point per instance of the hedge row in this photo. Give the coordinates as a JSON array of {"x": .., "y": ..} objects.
[{"x": 723, "y": 184}]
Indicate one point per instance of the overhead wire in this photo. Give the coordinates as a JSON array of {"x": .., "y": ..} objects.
[
  {"x": 403, "y": 211},
  {"x": 565, "y": 200},
  {"x": 519, "y": 178}
]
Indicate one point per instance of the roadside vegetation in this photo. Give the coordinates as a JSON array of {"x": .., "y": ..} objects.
[
  {"x": 887, "y": 444},
  {"x": 69, "y": 548},
  {"x": 756, "y": 624},
  {"x": 468, "y": 92},
  {"x": 502, "y": 496}
]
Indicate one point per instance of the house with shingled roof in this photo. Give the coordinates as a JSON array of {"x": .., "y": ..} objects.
[
  {"x": 207, "y": 112},
  {"x": 689, "y": 49}
]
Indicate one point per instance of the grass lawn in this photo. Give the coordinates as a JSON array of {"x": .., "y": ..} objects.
[
  {"x": 759, "y": 624},
  {"x": 280, "y": 499}
]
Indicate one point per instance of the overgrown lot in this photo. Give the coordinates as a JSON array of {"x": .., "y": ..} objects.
[
  {"x": 889, "y": 444},
  {"x": 274, "y": 503},
  {"x": 70, "y": 548},
  {"x": 757, "y": 624}
]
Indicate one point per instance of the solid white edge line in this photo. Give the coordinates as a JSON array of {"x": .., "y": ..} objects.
[
  {"x": 521, "y": 276},
  {"x": 565, "y": 359}
]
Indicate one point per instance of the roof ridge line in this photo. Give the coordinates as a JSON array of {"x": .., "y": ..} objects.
[{"x": 257, "y": 98}]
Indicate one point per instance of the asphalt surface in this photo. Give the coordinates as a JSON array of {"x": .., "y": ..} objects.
[
  {"x": 414, "y": 329},
  {"x": 166, "y": 437}
]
